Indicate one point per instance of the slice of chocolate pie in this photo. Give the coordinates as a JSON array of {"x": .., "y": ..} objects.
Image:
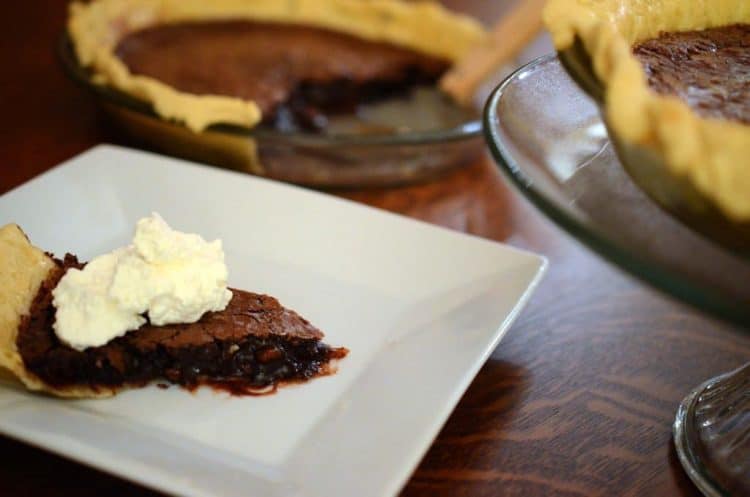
[
  {"x": 225, "y": 61},
  {"x": 250, "y": 347}
]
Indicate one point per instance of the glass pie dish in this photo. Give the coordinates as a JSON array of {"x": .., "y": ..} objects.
[
  {"x": 427, "y": 136},
  {"x": 548, "y": 138},
  {"x": 674, "y": 193}
]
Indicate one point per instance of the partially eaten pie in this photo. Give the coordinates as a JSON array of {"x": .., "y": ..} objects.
[
  {"x": 243, "y": 62},
  {"x": 250, "y": 347},
  {"x": 676, "y": 83}
]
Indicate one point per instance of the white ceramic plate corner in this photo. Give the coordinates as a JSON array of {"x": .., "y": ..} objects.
[{"x": 421, "y": 308}]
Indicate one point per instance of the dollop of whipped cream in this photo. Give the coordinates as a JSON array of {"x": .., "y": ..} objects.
[{"x": 170, "y": 276}]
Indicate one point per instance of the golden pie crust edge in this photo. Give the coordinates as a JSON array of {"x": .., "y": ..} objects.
[
  {"x": 713, "y": 154},
  {"x": 95, "y": 29},
  {"x": 22, "y": 271}
]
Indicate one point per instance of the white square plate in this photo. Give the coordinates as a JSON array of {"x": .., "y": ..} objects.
[{"x": 420, "y": 308}]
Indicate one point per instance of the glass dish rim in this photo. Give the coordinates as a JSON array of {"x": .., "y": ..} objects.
[
  {"x": 466, "y": 131},
  {"x": 664, "y": 280}
]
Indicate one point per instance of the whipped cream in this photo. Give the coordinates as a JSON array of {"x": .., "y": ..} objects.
[{"x": 170, "y": 276}]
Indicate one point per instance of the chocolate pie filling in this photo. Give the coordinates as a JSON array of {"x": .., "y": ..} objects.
[
  {"x": 253, "y": 344},
  {"x": 709, "y": 69},
  {"x": 291, "y": 71}
]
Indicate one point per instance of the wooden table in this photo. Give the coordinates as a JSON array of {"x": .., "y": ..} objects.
[{"x": 578, "y": 399}]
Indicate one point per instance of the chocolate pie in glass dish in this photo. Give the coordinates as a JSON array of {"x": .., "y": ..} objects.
[
  {"x": 671, "y": 79},
  {"x": 319, "y": 92},
  {"x": 138, "y": 316}
]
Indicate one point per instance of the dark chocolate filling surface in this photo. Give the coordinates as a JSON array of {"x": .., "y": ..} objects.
[
  {"x": 296, "y": 74},
  {"x": 709, "y": 69},
  {"x": 252, "y": 345}
]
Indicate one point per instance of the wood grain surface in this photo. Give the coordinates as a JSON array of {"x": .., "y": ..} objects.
[{"x": 577, "y": 400}]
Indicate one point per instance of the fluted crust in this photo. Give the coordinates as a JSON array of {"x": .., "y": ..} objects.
[{"x": 713, "y": 154}]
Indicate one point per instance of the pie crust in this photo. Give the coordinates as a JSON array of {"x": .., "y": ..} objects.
[
  {"x": 96, "y": 27},
  {"x": 712, "y": 154},
  {"x": 23, "y": 270}
]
